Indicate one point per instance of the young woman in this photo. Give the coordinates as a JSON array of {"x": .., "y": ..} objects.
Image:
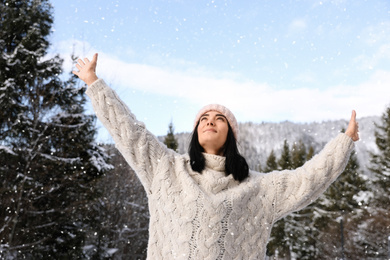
[{"x": 208, "y": 204}]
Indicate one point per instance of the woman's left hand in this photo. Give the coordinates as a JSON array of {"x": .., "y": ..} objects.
[{"x": 353, "y": 127}]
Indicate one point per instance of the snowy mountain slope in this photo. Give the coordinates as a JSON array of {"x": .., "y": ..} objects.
[{"x": 257, "y": 140}]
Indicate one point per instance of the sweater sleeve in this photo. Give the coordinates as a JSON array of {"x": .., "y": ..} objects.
[
  {"x": 295, "y": 189},
  {"x": 139, "y": 147}
]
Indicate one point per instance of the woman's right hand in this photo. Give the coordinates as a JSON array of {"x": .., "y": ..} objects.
[{"x": 87, "y": 70}]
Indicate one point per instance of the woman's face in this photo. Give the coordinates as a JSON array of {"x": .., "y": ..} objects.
[{"x": 212, "y": 132}]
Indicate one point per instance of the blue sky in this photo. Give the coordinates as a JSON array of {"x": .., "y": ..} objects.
[{"x": 268, "y": 61}]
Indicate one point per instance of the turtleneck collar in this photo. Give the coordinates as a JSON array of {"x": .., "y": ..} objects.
[
  {"x": 215, "y": 162},
  {"x": 213, "y": 178}
]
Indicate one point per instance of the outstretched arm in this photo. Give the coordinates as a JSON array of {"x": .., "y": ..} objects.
[
  {"x": 298, "y": 188},
  {"x": 139, "y": 147},
  {"x": 87, "y": 70}
]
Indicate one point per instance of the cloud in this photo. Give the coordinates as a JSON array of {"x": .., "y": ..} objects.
[
  {"x": 297, "y": 26},
  {"x": 255, "y": 101},
  {"x": 376, "y": 34},
  {"x": 336, "y": 3},
  {"x": 249, "y": 100},
  {"x": 375, "y": 40},
  {"x": 369, "y": 62},
  {"x": 305, "y": 77}
]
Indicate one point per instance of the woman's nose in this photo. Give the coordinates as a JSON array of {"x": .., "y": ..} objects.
[{"x": 210, "y": 122}]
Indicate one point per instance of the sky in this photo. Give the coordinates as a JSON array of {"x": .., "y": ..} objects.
[{"x": 267, "y": 61}]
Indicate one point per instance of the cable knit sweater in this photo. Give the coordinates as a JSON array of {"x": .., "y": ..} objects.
[{"x": 210, "y": 215}]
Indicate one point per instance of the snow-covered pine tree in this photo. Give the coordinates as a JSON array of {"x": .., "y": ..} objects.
[
  {"x": 376, "y": 228},
  {"x": 123, "y": 207},
  {"x": 341, "y": 203},
  {"x": 299, "y": 224},
  {"x": 320, "y": 236},
  {"x": 277, "y": 232},
  {"x": 380, "y": 162},
  {"x": 279, "y": 243},
  {"x": 170, "y": 140},
  {"x": 48, "y": 156}
]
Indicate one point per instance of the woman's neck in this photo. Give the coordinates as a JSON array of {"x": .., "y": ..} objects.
[{"x": 213, "y": 151}]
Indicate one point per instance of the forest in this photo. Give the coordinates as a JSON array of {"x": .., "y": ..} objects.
[{"x": 66, "y": 196}]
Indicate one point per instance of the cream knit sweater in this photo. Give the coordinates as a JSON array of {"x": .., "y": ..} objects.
[{"x": 210, "y": 215}]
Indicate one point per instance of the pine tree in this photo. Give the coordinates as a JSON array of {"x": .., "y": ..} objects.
[
  {"x": 48, "y": 156},
  {"x": 302, "y": 234},
  {"x": 277, "y": 237},
  {"x": 377, "y": 225},
  {"x": 279, "y": 242},
  {"x": 316, "y": 229},
  {"x": 310, "y": 153},
  {"x": 271, "y": 164},
  {"x": 298, "y": 225},
  {"x": 123, "y": 207},
  {"x": 340, "y": 203},
  {"x": 285, "y": 159},
  {"x": 294, "y": 233},
  {"x": 298, "y": 154},
  {"x": 170, "y": 140},
  {"x": 345, "y": 188},
  {"x": 380, "y": 162}
]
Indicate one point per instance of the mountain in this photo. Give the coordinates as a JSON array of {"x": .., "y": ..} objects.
[{"x": 256, "y": 140}]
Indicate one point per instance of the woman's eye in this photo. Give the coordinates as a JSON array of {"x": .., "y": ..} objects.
[{"x": 221, "y": 118}]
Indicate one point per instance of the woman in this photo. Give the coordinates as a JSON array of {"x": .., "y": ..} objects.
[{"x": 208, "y": 204}]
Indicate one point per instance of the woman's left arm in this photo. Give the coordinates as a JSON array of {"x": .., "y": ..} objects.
[{"x": 297, "y": 188}]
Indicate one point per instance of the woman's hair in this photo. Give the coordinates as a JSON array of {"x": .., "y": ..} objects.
[{"x": 235, "y": 164}]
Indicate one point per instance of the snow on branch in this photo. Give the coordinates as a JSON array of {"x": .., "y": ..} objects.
[
  {"x": 41, "y": 212},
  {"x": 135, "y": 205},
  {"x": 7, "y": 149},
  {"x": 27, "y": 245},
  {"x": 56, "y": 158}
]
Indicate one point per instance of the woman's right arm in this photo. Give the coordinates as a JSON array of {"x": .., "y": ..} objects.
[{"x": 140, "y": 148}]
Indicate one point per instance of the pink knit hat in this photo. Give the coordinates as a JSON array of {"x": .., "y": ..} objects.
[{"x": 224, "y": 111}]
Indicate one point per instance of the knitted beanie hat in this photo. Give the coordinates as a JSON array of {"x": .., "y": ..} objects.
[{"x": 224, "y": 111}]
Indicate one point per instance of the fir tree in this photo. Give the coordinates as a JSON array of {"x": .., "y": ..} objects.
[
  {"x": 123, "y": 209},
  {"x": 285, "y": 159},
  {"x": 341, "y": 203},
  {"x": 310, "y": 153},
  {"x": 296, "y": 232},
  {"x": 302, "y": 234},
  {"x": 316, "y": 229},
  {"x": 279, "y": 242},
  {"x": 380, "y": 162},
  {"x": 344, "y": 190},
  {"x": 277, "y": 239},
  {"x": 377, "y": 225},
  {"x": 170, "y": 140},
  {"x": 271, "y": 164},
  {"x": 298, "y": 225},
  {"x": 48, "y": 156},
  {"x": 298, "y": 154}
]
